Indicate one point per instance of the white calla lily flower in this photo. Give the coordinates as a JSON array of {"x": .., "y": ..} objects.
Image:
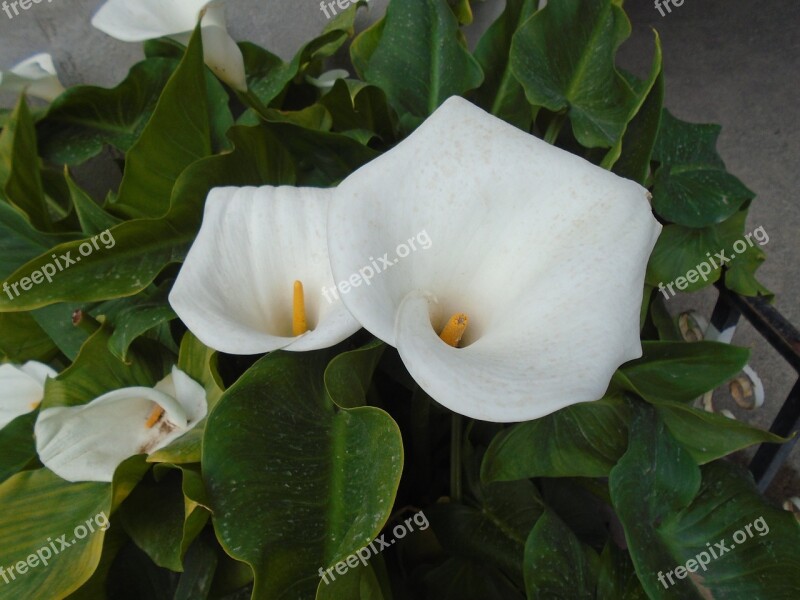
[
  {"x": 88, "y": 442},
  {"x": 540, "y": 252},
  {"x": 21, "y": 389},
  {"x": 255, "y": 278},
  {"x": 36, "y": 76},
  {"x": 141, "y": 20}
]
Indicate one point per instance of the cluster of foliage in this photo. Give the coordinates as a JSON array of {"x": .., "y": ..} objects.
[{"x": 305, "y": 457}]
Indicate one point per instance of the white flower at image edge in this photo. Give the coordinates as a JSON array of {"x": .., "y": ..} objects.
[
  {"x": 36, "y": 76},
  {"x": 88, "y": 442},
  {"x": 21, "y": 389},
  {"x": 254, "y": 279},
  {"x": 539, "y": 253},
  {"x": 141, "y": 20}
]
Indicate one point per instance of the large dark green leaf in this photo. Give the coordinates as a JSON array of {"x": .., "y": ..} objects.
[
  {"x": 564, "y": 58},
  {"x": 22, "y": 339},
  {"x": 681, "y": 371},
  {"x": 583, "y": 440},
  {"x": 85, "y": 118},
  {"x": 501, "y": 94},
  {"x": 675, "y": 515},
  {"x": 421, "y": 60},
  {"x": 557, "y": 563},
  {"x": 319, "y": 480},
  {"x": 493, "y": 533}
]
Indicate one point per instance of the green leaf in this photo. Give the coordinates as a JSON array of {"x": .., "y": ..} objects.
[
  {"x": 630, "y": 156},
  {"x": 143, "y": 247},
  {"x": 697, "y": 196},
  {"x": 20, "y": 178},
  {"x": 617, "y": 579},
  {"x": 359, "y": 583},
  {"x": 564, "y": 58},
  {"x": 691, "y": 186},
  {"x": 493, "y": 533},
  {"x": 162, "y": 520},
  {"x": 177, "y": 135},
  {"x": 22, "y": 339},
  {"x": 200, "y": 566},
  {"x": 501, "y": 94},
  {"x": 85, "y": 118},
  {"x": 709, "y": 436},
  {"x": 92, "y": 217},
  {"x": 39, "y": 509},
  {"x": 681, "y": 371},
  {"x": 20, "y": 242},
  {"x": 673, "y": 512},
  {"x": 323, "y": 159},
  {"x": 348, "y": 376},
  {"x": 557, "y": 563},
  {"x": 17, "y": 446},
  {"x": 583, "y": 440},
  {"x": 146, "y": 312},
  {"x": 682, "y": 143},
  {"x": 364, "y": 46},
  {"x": 57, "y": 322},
  {"x": 320, "y": 480},
  {"x": 421, "y": 60},
  {"x": 354, "y": 105},
  {"x": 461, "y": 579},
  {"x": 740, "y": 276}
]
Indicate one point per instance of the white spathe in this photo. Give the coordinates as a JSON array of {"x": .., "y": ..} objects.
[
  {"x": 36, "y": 76},
  {"x": 141, "y": 20},
  {"x": 543, "y": 251},
  {"x": 235, "y": 289},
  {"x": 88, "y": 442},
  {"x": 21, "y": 389}
]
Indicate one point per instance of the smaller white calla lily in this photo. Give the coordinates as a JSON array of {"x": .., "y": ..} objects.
[
  {"x": 88, "y": 442},
  {"x": 258, "y": 278},
  {"x": 36, "y": 76},
  {"x": 141, "y": 20},
  {"x": 21, "y": 389}
]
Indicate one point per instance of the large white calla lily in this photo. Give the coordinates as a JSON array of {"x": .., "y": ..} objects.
[
  {"x": 21, "y": 389},
  {"x": 542, "y": 253},
  {"x": 141, "y": 20},
  {"x": 88, "y": 442},
  {"x": 36, "y": 76},
  {"x": 254, "y": 281}
]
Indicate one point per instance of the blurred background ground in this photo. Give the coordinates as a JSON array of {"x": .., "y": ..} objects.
[{"x": 731, "y": 62}]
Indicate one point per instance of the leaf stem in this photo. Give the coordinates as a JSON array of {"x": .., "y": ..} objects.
[
  {"x": 456, "y": 435},
  {"x": 551, "y": 135}
]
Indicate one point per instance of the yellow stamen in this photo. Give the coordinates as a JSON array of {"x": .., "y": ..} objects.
[
  {"x": 35, "y": 405},
  {"x": 454, "y": 330},
  {"x": 155, "y": 415},
  {"x": 299, "y": 326}
]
